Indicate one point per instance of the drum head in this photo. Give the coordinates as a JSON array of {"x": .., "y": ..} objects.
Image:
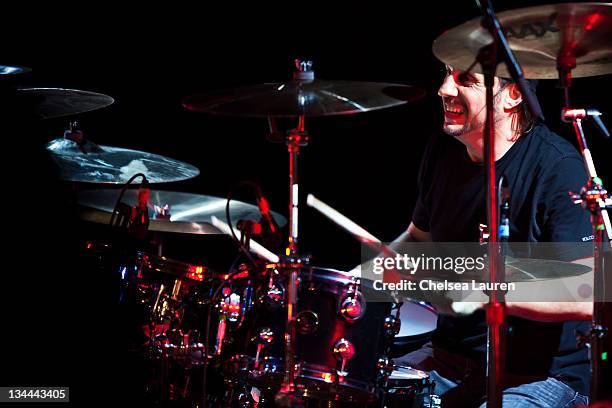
[
  {"x": 417, "y": 318},
  {"x": 407, "y": 373}
]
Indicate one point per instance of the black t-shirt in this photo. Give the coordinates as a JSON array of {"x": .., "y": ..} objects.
[{"x": 541, "y": 169}]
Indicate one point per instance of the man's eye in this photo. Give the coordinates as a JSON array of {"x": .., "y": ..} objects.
[{"x": 464, "y": 78}]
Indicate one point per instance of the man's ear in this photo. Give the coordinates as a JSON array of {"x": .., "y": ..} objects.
[{"x": 513, "y": 97}]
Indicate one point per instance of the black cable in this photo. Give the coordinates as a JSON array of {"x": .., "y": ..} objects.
[
  {"x": 247, "y": 253},
  {"x": 240, "y": 244},
  {"x": 125, "y": 186}
]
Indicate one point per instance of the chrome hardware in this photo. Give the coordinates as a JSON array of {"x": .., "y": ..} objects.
[
  {"x": 263, "y": 339},
  {"x": 392, "y": 325},
  {"x": 304, "y": 71},
  {"x": 307, "y": 322},
  {"x": 352, "y": 307},
  {"x": 343, "y": 351},
  {"x": 385, "y": 367}
]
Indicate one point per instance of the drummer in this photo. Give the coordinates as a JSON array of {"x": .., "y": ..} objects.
[{"x": 544, "y": 366}]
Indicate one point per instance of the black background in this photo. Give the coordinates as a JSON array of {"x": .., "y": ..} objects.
[{"x": 148, "y": 59}]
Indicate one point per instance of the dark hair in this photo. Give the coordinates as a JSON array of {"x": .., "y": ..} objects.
[{"x": 526, "y": 119}]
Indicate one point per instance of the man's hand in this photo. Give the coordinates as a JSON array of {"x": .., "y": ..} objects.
[{"x": 466, "y": 308}]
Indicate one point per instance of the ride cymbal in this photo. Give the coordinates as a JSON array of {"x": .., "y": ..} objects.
[{"x": 303, "y": 98}]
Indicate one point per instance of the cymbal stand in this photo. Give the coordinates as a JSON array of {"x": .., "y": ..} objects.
[
  {"x": 292, "y": 261},
  {"x": 593, "y": 198}
]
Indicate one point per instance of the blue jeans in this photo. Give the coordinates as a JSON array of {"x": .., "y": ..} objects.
[
  {"x": 460, "y": 382},
  {"x": 549, "y": 393}
]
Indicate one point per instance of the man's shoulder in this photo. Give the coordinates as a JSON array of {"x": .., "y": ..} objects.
[
  {"x": 555, "y": 160},
  {"x": 550, "y": 146}
]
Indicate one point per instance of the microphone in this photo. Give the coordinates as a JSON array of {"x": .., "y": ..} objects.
[
  {"x": 139, "y": 220},
  {"x": 569, "y": 115},
  {"x": 271, "y": 233}
]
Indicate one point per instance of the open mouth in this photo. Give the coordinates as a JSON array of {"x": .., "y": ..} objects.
[{"x": 453, "y": 110}]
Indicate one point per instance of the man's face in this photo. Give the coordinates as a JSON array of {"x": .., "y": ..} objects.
[{"x": 464, "y": 102}]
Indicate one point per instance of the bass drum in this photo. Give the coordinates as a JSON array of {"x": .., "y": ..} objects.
[
  {"x": 339, "y": 338},
  {"x": 419, "y": 320}
]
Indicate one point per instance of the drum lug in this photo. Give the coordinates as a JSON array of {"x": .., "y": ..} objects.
[
  {"x": 228, "y": 310},
  {"x": 307, "y": 322},
  {"x": 343, "y": 351},
  {"x": 265, "y": 336},
  {"x": 385, "y": 367},
  {"x": 272, "y": 297},
  {"x": 392, "y": 326},
  {"x": 352, "y": 306},
  {"x": 231, "y": 307},
  {"x": 273, "y": 294}
]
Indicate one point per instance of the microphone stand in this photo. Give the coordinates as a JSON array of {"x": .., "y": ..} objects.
[
  {"x": 495, "y": 309},
  {"x": 489, "y": 57},
  {"x": 594, "y": 198}
]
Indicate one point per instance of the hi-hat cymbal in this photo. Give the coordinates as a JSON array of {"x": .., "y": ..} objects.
[
  {"x": 517, "y": 270},
  {"x": 13, "y": 70},
  {"x": 91, "y": 163},
  {"x": 523, "y": 270},
  {"x": 303, "y": 98},
  {"x": 50, "y": 103},
  {"x": 189, "y": 213},
  {"x": 537, "y": 36}
]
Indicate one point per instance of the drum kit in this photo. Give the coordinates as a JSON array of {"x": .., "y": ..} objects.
[{"x": 275, "y": 329}]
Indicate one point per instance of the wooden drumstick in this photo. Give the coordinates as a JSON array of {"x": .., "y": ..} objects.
[{"x": 351, "y": 227}]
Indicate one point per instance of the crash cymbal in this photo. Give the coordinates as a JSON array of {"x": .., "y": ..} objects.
[
  {"x": 92, "y": 163},
  {"x": 537, "y": 36},
  {"x": 50, "y": 103},
  {"x": 179, "y": 227},
  {"x": 13, "y": 70},
  {"x": 189, "y": 213},
  {"x": 303, "y": 98}
]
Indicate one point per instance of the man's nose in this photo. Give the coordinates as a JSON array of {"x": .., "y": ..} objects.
[{"x": 448, "y": 87}]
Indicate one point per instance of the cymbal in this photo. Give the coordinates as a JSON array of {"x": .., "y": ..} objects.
[
  {"x": 114, "y": 165},
  {"x": 57, "y": 102},
  {"x": 189, "y": 213},
  {"x": 528, "y": 270},
  {"x": 303, "y": 98},
  {"x": 517, "y": 270},
  {"x": 537, "y": 35},
  {"x": 13, "y": 70}
]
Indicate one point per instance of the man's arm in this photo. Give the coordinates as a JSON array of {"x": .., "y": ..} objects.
[
  {"x": 538, "y": 311},
  {"x": 551, "y": 311},
  {"x": 541, "y": 311}
]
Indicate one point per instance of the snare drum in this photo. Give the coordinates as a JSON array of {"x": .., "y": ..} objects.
[{"x": 339, "y": 338}]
